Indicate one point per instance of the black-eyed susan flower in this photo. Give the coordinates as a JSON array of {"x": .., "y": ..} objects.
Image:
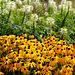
[
  {"x": 24, "y": 35},
  {"x": 1, "y": 73},
  {"x": 31, "y": 36}
]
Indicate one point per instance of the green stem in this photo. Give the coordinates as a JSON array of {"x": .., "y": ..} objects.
[
  {"x": 50, "y": 30},
  {"x": 8, "y": 16},
  {"x": 33, "y": 28},
  {"x": 19, "y": 73},
  {"x": 61, "y": 11},
  {"x": 13, "y": 73},
  {"x": 63, "y": 22},
  {"x": 2, "y": 11},
  {"x": 23, "y": 18}
]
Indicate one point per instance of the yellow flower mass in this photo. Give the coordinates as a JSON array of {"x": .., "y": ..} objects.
[{"x": 51, "y": 56}]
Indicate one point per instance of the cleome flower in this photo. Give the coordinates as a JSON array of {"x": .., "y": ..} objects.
[
  {"x": 50, "y": 21},
  {"x": 34, "y": 17}
]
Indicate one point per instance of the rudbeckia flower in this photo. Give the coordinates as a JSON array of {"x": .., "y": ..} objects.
[
  {"x": 31, "y": 36},
  {"x": 1, "y": 73}
]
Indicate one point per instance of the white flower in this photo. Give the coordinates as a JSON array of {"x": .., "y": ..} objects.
[
  {"x": 63, "y": 31},
  {"x": 23, "y": 9},
  {"x": 38, "y": 4},
  {"x": 37, "y": 0},
  {"x": 59, "y": 6},
  {"x": 11, "y": 5},
  {"x": 0, "y": 1},
  {"x": 45, "y": 5},
  {"x": 8, "y": 5},
  {"x": 34, "y": 17},
  {"x": 5, "y": 11},
  {"x": 25, "y": 2},
  {"x": 52, "y": 3},
  {"x": 40, "y": 37},
  {"x": 65, "y": 8},
  {"x": 19, "y": 2},
  {"x": 65, "y": 5},
  {"x": 69, "y": 3},
  {"x": 63, "y": 2},
  {"x": 46, "y": 14},
  {"x": 28, "y": 8},
  {"x": 50, "y": 21}
]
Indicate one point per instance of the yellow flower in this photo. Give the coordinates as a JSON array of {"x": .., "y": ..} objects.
[
  {"x": 24, "y": 35},
  {"x": 14, "y": 67},
  {"x": 31, "y": 36},
  {"x": 1, "y": 73}
]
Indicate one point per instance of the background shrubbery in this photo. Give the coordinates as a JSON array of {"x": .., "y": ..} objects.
[{"x": 38, "y": 18}]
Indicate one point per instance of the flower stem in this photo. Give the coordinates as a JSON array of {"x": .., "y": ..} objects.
[
  {"x": 63, "y": 22},
  {"x": 8, "y": 17},
  {"x": 33, "y": 28},
  {"x": 23, "y": 18}
]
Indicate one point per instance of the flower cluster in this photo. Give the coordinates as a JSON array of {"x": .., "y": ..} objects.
[
  {"x": 52, "y": 4},
  {"x": 36, "y": 57},
  {"x": 50, "y": 21},
  {"x": 65, "y": 5}
]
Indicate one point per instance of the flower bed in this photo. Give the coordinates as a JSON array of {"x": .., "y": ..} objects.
[{"x": 20, "y": 56}]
